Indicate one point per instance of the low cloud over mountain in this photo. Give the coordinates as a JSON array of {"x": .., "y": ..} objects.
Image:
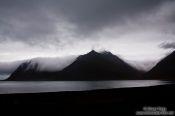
[{"x": 51, "y": 28}]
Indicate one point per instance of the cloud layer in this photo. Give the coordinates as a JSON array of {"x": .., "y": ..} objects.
[
  {"x": 169, "y": 45},
  {"x": 44, "y": 64},
  {"x": 49, "y": 28}
]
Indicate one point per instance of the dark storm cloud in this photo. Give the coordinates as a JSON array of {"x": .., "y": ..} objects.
[
  {"x": 35, "y": 20},
  {"x": 92, "y": 15},
  {"x": 168, "y": 45},
  {"x": 23, "y": 20}
]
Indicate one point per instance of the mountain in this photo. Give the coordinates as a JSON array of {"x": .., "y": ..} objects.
[
  {"x": 165, "y": 69},
  {"x": 91, "y": 66},
  {"x": 29, "y": 71},
  {"x": 99, "y": 66}
]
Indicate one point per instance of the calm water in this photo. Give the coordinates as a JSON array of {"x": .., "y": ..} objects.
[{"x": 57, "y": 86}]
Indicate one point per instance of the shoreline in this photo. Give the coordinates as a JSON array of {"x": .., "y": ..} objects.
[
  {"x": 158, "y": 91},
  {"x": 124, "y": 101}
]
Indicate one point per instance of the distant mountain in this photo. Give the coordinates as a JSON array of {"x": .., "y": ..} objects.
[
  {"x": 91, "y": 66},
  {"x": 99, "y": 66},
  {"x": 165, "y": 69},
  {"x": 29, "y": 71}
]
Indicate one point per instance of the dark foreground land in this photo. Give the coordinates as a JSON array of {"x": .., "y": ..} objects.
[{"x": 124, "y": 101}]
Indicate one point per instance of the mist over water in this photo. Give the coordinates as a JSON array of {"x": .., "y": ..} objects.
[
  {"x": 58, "y": 86},
  {"x": 4, "y": 76}
]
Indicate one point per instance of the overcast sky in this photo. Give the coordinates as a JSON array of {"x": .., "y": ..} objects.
[{"x": 138, "y": 30}]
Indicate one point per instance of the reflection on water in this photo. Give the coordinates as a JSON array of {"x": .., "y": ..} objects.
[{"x": 56, "y": 86}]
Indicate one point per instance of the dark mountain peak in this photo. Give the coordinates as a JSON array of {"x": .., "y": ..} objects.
[
  {"x": 94, "y": 54},
  {"x": 103, "y": 65},
  {"x": 91, "y": 53},
  {"x": 27, "y": 66},
  {"x": 172, "y": 54},
  {"x": 169, "y": 60},
  {"x": 106, "y": 52},
  {"x": 90, "y": 66},
  {"x": 165, "y": 69},
  {"x": 24, "y": 66},
  {"x": 28, "y": 70}
]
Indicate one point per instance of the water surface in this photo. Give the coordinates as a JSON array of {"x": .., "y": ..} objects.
[{"x": 58, "y": 86}]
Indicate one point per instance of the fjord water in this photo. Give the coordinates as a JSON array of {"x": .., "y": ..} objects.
[{"x": 7, "y": 87}]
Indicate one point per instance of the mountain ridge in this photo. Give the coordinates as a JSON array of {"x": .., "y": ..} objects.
[
  {"x": 165, "y": 69},
  {"x": 90, "y": 66}
]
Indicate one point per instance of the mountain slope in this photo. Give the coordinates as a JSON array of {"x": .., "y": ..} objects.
[
  {"x": 91, "y": 66},
  {"x": 29, "y": 71},
  {"x": 99, "y": 66},
  {"x": 165, "y": 69}
]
